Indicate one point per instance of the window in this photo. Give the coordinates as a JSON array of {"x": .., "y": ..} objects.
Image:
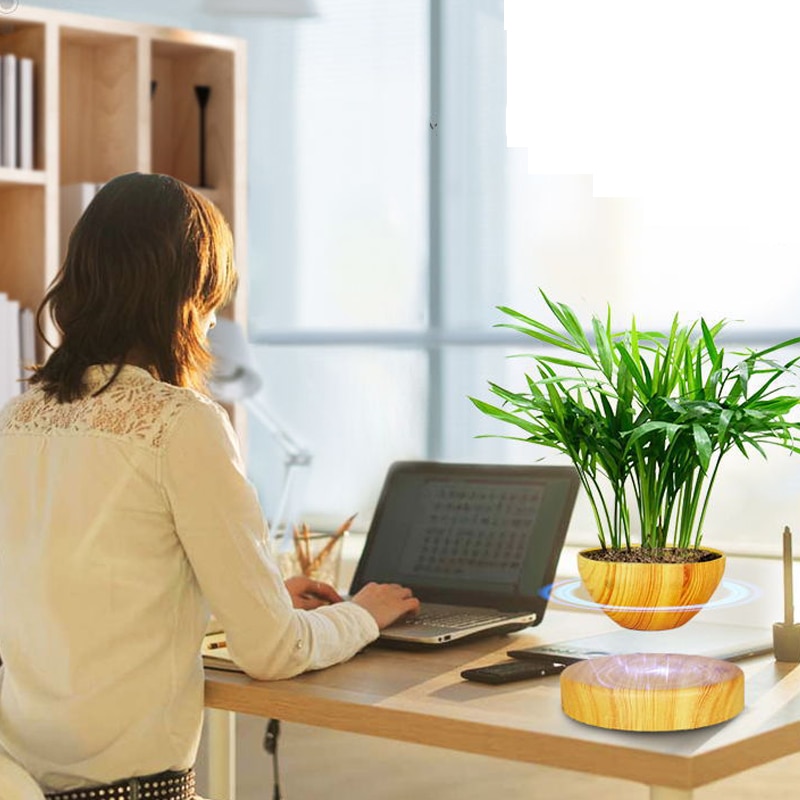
[
  {"x": 394, "y": 211},
  {"x": 661, "y": 174},
  {"x": 338, "y": 262}
]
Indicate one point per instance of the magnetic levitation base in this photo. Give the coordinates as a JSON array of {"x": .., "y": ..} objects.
[{"x": 652, "y": 691}]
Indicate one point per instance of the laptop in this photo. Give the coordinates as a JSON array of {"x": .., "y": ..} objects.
[{"x": 477, "y": 543}]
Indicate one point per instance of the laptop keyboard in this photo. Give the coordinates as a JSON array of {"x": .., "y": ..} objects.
[{"x": 454, "y": 617}]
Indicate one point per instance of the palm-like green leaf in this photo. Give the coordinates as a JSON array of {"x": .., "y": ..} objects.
[{"x": 647, "y": 415}]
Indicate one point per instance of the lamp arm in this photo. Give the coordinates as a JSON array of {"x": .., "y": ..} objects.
[{"x": 296, "y": 454}]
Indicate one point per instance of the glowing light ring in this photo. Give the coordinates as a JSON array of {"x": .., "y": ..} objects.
[{"x": 736, "y": 593}]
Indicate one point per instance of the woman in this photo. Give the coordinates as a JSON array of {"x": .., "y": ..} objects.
[{"x": 125, "y": 514}]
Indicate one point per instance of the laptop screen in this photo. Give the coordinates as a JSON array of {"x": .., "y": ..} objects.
[{"x": 471, "y": 534}]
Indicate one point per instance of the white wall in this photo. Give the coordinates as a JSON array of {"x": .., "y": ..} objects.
[{"x": 179, "y": 13}]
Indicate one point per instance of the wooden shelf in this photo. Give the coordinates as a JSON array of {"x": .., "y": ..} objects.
[
  {"x": 26, "y": 39},
  {"x": 22, "y": 259},
  {"x": 10, "y": 176},
  {"x": 98, "y": 105},
  {"x": 95, "y": 117},
  {"x": 177, "y": 70}
]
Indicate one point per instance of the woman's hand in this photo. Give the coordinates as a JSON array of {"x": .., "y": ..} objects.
[
  {"x": 387, "y": 602},
  {"x": 307, "y": 593}
]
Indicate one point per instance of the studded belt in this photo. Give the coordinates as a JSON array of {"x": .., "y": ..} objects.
[{"x": 163, "y": 786}]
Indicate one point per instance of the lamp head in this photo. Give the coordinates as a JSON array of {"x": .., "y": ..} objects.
[{"x": 234, "y": 376}]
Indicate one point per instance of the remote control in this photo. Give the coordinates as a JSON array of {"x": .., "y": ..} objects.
[
  {"x": 508, "y": 671},
  {"x": 537, "y": 654}
]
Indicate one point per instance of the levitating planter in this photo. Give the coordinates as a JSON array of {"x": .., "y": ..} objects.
[
  {"x": 646, "y": 418},
  {"x": 651, "y": 596},
  {"x": 652, "y": 692}
]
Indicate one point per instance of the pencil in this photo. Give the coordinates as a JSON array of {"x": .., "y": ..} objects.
[
  {"x": 307, "y": 546},
  {"x": 345, "y": 526},
  {"x": 340, "y": 531},
  {"x": 298, "y": 549}
]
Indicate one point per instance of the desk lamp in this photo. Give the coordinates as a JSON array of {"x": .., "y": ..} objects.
[{"x": 236, "y": 379}]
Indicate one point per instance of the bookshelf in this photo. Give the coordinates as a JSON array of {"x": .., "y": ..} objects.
[{"x": 113, "y": 97}]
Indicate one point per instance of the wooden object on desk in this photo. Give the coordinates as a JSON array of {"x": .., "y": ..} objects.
[
  {"x": 652, "y": 692},
  {"x": 420, "y": 697},
  {"x": 648, "y": 596}
]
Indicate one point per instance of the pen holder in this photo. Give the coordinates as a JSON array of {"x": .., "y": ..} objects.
[{"x": 321, "y": 560}]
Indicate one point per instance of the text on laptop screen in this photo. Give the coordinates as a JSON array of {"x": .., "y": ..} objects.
[{"x": 485, "y": 533}]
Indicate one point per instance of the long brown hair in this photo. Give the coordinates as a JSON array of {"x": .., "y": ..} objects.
[{"x": 147, "y": 262}]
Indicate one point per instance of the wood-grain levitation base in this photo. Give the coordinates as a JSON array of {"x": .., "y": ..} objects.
[{"x": 652, "y": 691}]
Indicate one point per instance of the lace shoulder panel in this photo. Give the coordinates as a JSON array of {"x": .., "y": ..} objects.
[{"x": 135, "y": 406}]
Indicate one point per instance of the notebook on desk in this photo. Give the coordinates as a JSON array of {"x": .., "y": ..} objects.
[
  {"x": 477, "y": 543},
  {"x": 729, "y": 642}
]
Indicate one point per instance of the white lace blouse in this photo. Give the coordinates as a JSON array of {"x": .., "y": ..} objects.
[{"x": 123, "y": 518}]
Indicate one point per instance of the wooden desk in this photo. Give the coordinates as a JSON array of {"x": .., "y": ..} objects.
[{"x": 420, "y": 697}]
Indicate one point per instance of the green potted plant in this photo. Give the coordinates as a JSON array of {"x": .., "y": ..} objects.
[{"x": 646, "y": 418}]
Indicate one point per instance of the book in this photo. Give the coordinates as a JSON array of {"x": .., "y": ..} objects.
[
  {"x": 11, "y": 339},
  {"x": 27, "y": 343},
  {"x": 215, "y": 653},
  {"x": 74, "y": 199},
  {"x": 9, "y": 348},
  {"x": 8, "y": 156},
  {"x": 5, "y": 353},
  {"x": 25, "y": 113}
]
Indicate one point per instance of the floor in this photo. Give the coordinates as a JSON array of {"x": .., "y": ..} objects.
[{"x": 317, "y": 764}]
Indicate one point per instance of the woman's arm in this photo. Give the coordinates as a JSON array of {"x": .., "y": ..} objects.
[{"x": 220, "y": 524}]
